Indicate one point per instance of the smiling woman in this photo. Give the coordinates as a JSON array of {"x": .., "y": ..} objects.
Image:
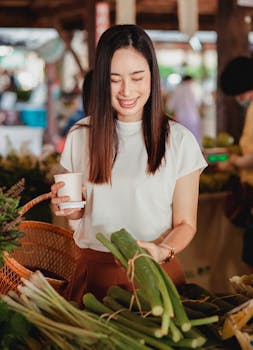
[
  {"x": 140, "y": 169},
  {"x": 130, "y": 84}
]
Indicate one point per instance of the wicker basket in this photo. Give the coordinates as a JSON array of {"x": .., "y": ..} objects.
[
  {"x": 45, "y": 247},
  {"x": 245, "y": 339}
]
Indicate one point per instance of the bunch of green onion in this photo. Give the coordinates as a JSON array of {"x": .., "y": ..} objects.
[{"x": 62, "y": 322}]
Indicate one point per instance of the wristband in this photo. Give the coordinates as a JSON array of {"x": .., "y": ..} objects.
[{"x": 171, "y": 254}]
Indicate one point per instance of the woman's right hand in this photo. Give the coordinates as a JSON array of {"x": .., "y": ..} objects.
[{"x": 71, "y": 213}]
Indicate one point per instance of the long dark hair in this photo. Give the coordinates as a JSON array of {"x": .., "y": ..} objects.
[
  {"x": 103, "y": 142},
  {"x": 86, "y": 91}
]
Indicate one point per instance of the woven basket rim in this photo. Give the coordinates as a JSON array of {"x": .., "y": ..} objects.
[
  {"x": 9, "y": 261},
  {"x": 13, "y": 271},
  {"x": 46, "y": 225},
  {"x": 24, "y": 272}
]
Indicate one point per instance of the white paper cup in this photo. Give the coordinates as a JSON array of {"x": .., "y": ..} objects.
[{"x": 72, "y": 188}]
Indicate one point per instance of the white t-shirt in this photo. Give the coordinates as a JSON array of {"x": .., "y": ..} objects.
[{"x": 139, "y": 202}]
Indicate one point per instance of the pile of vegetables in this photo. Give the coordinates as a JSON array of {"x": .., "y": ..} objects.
[
  {"x": 63, "y": 323},
  {"x": 155, "y": 319},
  {"x": 199, "y": 302},
  {"x": 223, "y": 139},
  {"x": 154, "y": 315},
  {"x": 212, "y": 181},
  {"x": 239, "y": 321},
  {"x": 155, "y": 294},
  {"x": 17, "y": 333}
]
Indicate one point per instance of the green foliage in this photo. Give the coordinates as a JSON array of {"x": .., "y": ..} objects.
[
  {"x": 17, "y": 333},
  {"x": 208, "y": 141},
  {"x": 197, "y": 72},
  {"x": 10, "y": 218},
  {"x": 165, "y": 71},
  {"x": 13, "y": 328},
  {"x": 223, "y": 139},
  {"x": 37, "y": 172}
]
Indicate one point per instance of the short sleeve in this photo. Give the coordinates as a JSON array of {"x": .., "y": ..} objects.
[
  {"x": 188, "y": 152},
  {"x": 74, "y": 157},
  {"x": 66, "y": 156}
]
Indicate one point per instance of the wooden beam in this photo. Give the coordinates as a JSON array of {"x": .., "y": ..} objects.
[
  {"x": 17, "y": 3},
  {"x": 125, "y": 11},
  {"x": 52, "y": 127},
  {"x": 75, "y": 14},
  {"x": 67, "y": 37},
  {"x": 163, "y": 21},
  {"x": 42, "y": 17}
]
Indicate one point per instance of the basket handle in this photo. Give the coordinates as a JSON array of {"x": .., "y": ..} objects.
[{"x": 34, "y": 202}]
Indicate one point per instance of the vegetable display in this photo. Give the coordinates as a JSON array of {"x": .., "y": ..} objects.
[
  {"x": 154, "y": 314},
  {"x": 63, "y": 323},
  {"x": 170, "y": 321}
]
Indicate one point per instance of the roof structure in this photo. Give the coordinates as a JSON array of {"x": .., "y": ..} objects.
[{"x": 73, "y": 14}]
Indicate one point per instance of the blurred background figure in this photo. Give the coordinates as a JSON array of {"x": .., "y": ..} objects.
[
  {"x": 184, "y": 106},
  {"x": 79, "y": 107},
  {"x": 81, "y": 103},
  {"x": 8, "y": 98},
  {"x": 8, "y": 92},
  {"x": 237, "y": 80}
]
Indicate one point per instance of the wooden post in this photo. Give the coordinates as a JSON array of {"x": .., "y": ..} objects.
[
  {"x": 188, "y": 16},
  {"x": 125, "y": 12},
  {"x": 66, "y": 38},
  {"x": 91, "y": 28},
  {"x": 102, "y": 18},
  {"x": 98, "y": 22},
  {"x": 232, "y": 41},
  {"x": 51, "y": 129}
]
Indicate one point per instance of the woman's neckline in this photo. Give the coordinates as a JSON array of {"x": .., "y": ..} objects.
[{"x": 129, "y": 127}]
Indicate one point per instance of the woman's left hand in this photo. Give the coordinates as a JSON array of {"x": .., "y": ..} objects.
[{"x": 158, "y": 252}]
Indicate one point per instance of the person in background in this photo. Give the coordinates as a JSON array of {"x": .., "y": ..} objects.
[
  {"x": 8, "y": 93},
  {"x": 237, "y": 80},
  {"x": 184, "y": 105},
  {"x": 81, "y": 111},
  {"x": 76, "y": 114},
  {"x": 77, "y": 84},
  {"x": 140, "y": 169}
]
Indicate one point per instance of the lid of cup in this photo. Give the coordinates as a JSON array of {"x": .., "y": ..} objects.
[{"x": 72, "y": 205}]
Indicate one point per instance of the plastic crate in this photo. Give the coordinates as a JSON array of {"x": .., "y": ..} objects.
[{"x": 34, "y": 117}]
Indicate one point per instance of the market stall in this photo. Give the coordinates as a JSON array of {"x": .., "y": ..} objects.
[
  {"x": 153, "y": 314},
  {"x": 214, "y": 255},
  {"x": 21, "y": 138}
]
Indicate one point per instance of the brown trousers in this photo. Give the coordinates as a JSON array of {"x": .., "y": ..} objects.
[{"x": 97, "y": 271}]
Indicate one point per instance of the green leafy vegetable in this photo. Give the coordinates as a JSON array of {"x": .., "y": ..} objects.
[{"x": 10, "y": 218}]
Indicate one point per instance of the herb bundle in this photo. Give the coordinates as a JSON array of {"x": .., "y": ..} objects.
[
  {"x": 10, "y": 218},
  {"x": 62, "y": 323}
]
